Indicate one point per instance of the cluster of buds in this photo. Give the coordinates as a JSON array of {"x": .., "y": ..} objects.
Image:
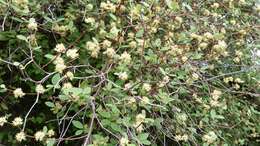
[
  {"x": 214, "y": 102},
  {"x": 210, "y": 137},
  {"x": 93, "y": 47},
  {"x": 108, "y": 6}
]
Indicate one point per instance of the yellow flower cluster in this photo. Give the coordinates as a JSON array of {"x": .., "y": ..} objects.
[
  {"x": 18, "y": 93},
  {"x": 59, "y": 64},
  {"x": 93, "y": 47}
]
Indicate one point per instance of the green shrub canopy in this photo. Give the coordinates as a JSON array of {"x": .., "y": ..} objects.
[{"x": 129, "y": 73}]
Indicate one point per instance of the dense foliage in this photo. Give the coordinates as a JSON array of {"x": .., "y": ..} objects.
[{"x": 129, "y": 72}]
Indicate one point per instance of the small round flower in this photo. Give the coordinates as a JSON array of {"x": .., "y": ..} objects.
[
  {"x": 72, "y": 53},
  {"x": 106, "y": 43},
  {"x": 203, "y": 45},
  {"x": 32, "y": 24},
  {"x": 70, "y": 75},
  {"x": 222, "y": 44},
  {"x": 228, "y": 79},
  {"x": 39, "y": 135},
  {"x": 238, "y": 80},
  {"x": 89, "y": 7},
  {"x": 39, "y": 89},
  {"x": 147, "y": 87},
  {"x": 184, "y": 58},
  {"x": 3, "y": 120},
  {"x": 133, "y": 44},
  {"x": 58, "y": 60},
  {"x": 18, "y": 93},
  {"x": 216, "y": 94},
  {"x": 236, "y": 59},
  {"x": 60, "y": 67},
  {"x": 145, "y": 100},
  {"x": 215, "y": 5},
  {"x": 124, "y": 141},
  {"x": 17, "y": 121},
  {"x": 110, "y": 52},
  {"x": 206, "y": 12},
  {"x": 50, "y": 133},
  {"x": 93, "y": 47},
  {"x": 20, "y": 136},
  {"x": 178, "y": 19},
  {"x": 210, "y": 137},
  {"x": 139, "y": 119},
  {"x": 60, "y": 48},
  {"x": 89, "y": 20},
  {"x": 125, "y": 57},
  {"x": 185, "y": 137},
  {"x": 208, "y": 35},
  {"x": 67, "y": 85},
  {"x": 182, "y": 117},
  {"x": 122, "y": 75}
]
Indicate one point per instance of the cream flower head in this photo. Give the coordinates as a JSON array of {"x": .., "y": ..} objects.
[
  {"x": 18, "y": 93},
  {"x": 17, "y": 121},
  {"x": 39, "y": 135},
  {"x": 20, "y": 136}
]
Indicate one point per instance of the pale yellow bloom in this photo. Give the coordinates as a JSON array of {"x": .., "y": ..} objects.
[
  {"x": 60, "y": 67},
  {"x": 70, "y": 75},
  {"x": 3, "y": 120},
  {"x": 72, "y": 53},
  {"x": 122, "y": 75},
  {"x": 18, "y": 93},
  {"x": 20, "y": 136},
  {"x": 106, "y": 43},
  {"x": 147, "y": 87},
  {"x": 216, "y": 94},
  {"x": 67, "y": 85},
  {"x": 60, "y": 48},
  {"x": 125, "y": 57},
  {"x": 110, "y": 52},
  {"x": 58, "y": 60},
  {"x": 17, "y": 121},
  {"x": 228, "y": 79},
  {"x": 93, "y": 47},
  {"x": 215, "y": 5},
  {"x": 50, "y": 133},
  {"x": 32, "y": 24},
  {"x": 40, "y": 89},
  {"x": 179, "y": 19},
  {"x": 39, "y": 135},
  {"x": 145, "y": 100},
  {"x": 124, "y": 141},
  {"x": 210, "y": 137}
]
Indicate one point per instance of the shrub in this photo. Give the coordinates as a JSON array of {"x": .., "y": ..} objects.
[{"x": 129, "y": 73}]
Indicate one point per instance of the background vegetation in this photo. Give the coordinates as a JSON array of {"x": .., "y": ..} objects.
[{"x": 129, "y": 72}]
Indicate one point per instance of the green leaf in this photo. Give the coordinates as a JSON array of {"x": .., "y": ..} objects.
[
  {"x": 173, "y": 5},
  {"x": 55, "y": 79},
  {"x": 49, "y": 104},
  {"x": 22, "y": 37},
  {"x": 143, "y": 138},
  {"x": 78, "y": 132},
  {"x": 5, "y": 36},
  {"x": 73, "y": 91},
  {"x": 48, "y": 56},
  {"x": 140, "y": 33},
  {"x": 77, "y": 124},
  {"x": 50, "y": 141}
]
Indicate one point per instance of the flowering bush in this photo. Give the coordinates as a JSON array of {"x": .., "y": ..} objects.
[{"x": 129, "y": 73}]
